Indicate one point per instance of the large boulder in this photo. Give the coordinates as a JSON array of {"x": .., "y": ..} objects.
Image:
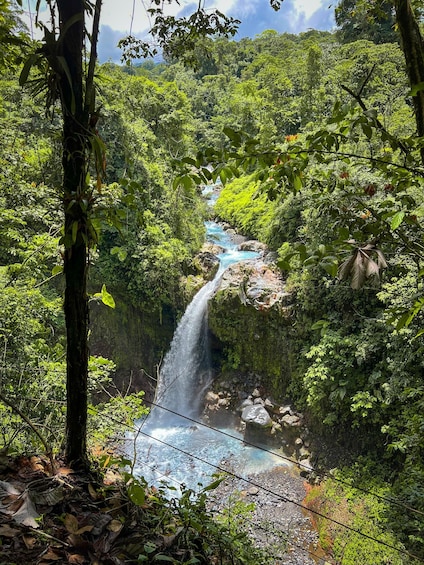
[
  {"x": 253, "y": 245},
  {"x": 257, "y": 415},
  {"x": 207, "y": 264}
]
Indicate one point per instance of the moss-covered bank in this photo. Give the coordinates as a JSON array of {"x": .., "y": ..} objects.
[{"x": 136, "y": 340}]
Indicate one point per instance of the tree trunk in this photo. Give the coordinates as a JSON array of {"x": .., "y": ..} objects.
[
  {"x": 74, "y": 162},
  {"x": 413, "y": 50}
]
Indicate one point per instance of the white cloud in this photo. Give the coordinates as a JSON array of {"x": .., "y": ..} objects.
[
  {"x": 306, "y": 8},
  {"x": 120, "y": 16}
]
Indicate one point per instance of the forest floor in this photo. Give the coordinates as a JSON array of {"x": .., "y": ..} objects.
[{"x": 62, "y": 518}]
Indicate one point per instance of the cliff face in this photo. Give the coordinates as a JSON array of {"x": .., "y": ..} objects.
[
  {"x": 135, "y": 340},
  {"x": 250, "y": 322}
]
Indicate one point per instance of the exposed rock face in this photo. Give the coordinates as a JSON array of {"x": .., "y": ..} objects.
[
  {"x": 207, "y": 263},
  {"x": 253, "y": 245},
  {"x": 250, "y": 319},
  {"x": 134, "y": 339}
]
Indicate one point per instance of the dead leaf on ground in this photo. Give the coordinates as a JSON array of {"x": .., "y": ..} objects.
[
  {"x": 8, "y": 532},
  {"x": 18, "y": 505},
  {"x": 79, "y": 544},
  {"x": 115, "y": 526},
  {"x": 65, "y": 471},
  {"x": 47, "y": 496},
  {"x": 92, "y": 492},
  {"x": 77, "y": 559},
  {"x": 51, "y": 555},
  {"x": 71, "y": 523},
  {"x": 73, "y": 527},
  {"x": 29, "y": 541}
]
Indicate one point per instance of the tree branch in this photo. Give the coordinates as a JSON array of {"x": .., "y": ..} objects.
[
  {"x": 377, "y": 122},
  {"x": 25, "y": 418}
]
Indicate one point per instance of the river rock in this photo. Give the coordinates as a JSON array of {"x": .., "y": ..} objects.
[
  {"x": 245, "y": 403},
  {"x": 207, "y": 263},
  {"x": 253, "y": 245},
  {"x": 211, "y": 397},
  {"x": 252, "y": 491},
  {"x": 224, "y": 402},
  {"x": 304, "y": 453},
  {"x": 276, "y": 428},
  {"x": 256, "y": 415},
  {"x": 290, "y": 421},
  {"x": 213, "y": 248},
  {"x": 283, "y": 410}
]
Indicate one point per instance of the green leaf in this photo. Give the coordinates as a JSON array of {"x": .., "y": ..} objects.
[
  {"x": 366, "y": 128},
  {"x": 57, "y": 269},
  {"x": 320, "y": 324},
  {"x": 215, "y": 484},
  {"x": 297, "y": 183},
  {"x": 416, "y": 88},
  {"x": 397, "y": 219},
  {"x": 120, "y": 252},
  {"x": 402, "y": 321},
  {"x": 149, "y": 547},
  {"x": 74, "y": 231},
  {"x": 233, "y": 135},
  {"x": 29, "y": 63},
  {"x": 137, "y": 495},
  {"x": 107, "y": 298},
  {"x": 331, "y": 266},
  {"x": 162, "y": 557}
]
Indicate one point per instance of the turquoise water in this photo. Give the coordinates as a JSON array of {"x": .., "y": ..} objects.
[{"x": 172, "y": 444}]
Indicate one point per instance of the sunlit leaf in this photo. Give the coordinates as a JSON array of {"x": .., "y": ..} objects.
[
  {"x": 107, "y": 298},
  {"x": 397, "y": 219}
]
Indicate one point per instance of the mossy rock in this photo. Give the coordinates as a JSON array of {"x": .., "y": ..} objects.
[{"x": 253, "y": 335}]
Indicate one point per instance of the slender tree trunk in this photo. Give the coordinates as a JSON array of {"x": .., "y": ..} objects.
[
  {"x": 413, "y": 49},
  {"x": 74, "y": 162}
]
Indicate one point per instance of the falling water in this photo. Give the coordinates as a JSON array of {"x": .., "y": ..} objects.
[
  {"x": 173, "y": 444},
  {"x": 186, "y": 369}
]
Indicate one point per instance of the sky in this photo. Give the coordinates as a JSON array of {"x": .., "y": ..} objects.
[
  {"x": 119, "y": 18},
  {"x": 294, "y": 16}
]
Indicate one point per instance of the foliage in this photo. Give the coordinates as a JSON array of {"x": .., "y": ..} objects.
[
  {"x": 366, "y": 513},
  {"x": 315, "y": 143},
  {"x": 185, "y": 529},
  {"x": 246, "y": 208},
  {"x": 372, "y": 20},
  {"x": 343, "y": 196}
]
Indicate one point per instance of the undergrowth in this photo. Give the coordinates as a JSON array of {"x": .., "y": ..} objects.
[{"x": 369, "y": 538}]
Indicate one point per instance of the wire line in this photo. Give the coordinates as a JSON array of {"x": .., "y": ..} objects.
[
  {"x": 286, "y": 458},
  {"x": 284, "y": 498}
]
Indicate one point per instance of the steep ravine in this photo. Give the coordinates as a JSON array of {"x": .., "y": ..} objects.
[{"x": 250, "y": 325}]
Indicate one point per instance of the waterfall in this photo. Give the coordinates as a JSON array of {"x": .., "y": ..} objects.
[
  {"x": 186, "y": 371},
  {"x": 170, "y": 445}
]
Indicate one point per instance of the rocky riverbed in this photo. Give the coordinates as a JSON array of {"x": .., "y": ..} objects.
[
  {"x": 278, "y": 521},
  {"x": 277, "y": 524}
]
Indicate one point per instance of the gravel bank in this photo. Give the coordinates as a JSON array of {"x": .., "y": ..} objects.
[{"x": 277, "y": 525}]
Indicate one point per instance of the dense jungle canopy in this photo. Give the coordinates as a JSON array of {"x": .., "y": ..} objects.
[{"x": 317, "y": 140}]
